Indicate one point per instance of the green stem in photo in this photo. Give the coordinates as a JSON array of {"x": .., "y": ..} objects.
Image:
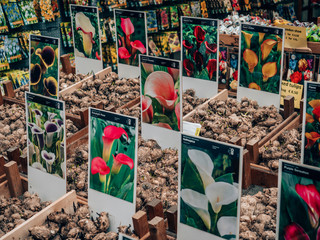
[
  {"x": 214, "y": 224},
  {"x": 125, "y": 181},
  {"x": 107, "y": 190},
  {"x": 103, "y": 181}
]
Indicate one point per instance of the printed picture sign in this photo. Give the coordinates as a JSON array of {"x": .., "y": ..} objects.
[
  {"x": 260, "y": 64},
  {"x": 310, "y": 126},
  {"x": 160, "y": 92},
  {"x": 46, "y": 143},
  {"x": 210, "y": 174},
  {"x": 86, "y": 39},
  {"x": 131, "y": 39},
  {"x": 44, "y": 58},
  {"x": 200, "y": 52},
  {"x": 298, "y": 198},
  {"x": 113, "y": 142}
]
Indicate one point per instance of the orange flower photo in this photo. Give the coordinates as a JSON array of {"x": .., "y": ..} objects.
[{"x": 261, "y": 54}]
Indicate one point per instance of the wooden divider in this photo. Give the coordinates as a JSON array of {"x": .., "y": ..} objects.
[
  {"x": 67, "y": 202},
  {"x": 262, "y": 175},
  {"x": 158, "y": 227}
]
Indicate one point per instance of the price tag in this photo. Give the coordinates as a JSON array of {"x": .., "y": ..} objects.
[
  {"x": 295, "y": 37},
  {"x": 291, "y": 89}
]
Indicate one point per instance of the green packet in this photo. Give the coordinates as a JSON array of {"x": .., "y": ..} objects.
[
  {"x": 3, "y": 24},
  {"x": 28, "y": 13},
  {"x": 17, "y": 78},
  {"x": 12, "y": 49},
  {"x": 4, "y": 64},
  {"x": 68, "y": 31},
  {"x": 174, "y": 16},
  {"x": 103, "y": 23},
  {"x": 2, "y": 80},
  {"x": 11, "y": 9},
  {"x": 63, "y": 35}
]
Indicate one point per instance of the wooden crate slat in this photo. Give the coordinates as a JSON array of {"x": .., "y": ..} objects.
[
  {"x": 78, "y": 85},
  {"x": 22, "y": 231}
]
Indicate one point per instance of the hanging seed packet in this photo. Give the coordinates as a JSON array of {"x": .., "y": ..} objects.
[
  {"x": 55, "y": 8},
  {"x": 46, "y": 11},
  {"x": 28, "y": 13},
  {"x": 223, "y": 65},
  {"x": 164, "y": 43},
  {"x": 261, "y": 55},
  {"x": 4, "y": 64},
  {"x": 200, "y": 50},
  {"x": 46, "y": 143},
  {"x": 86, "y": 38},
  {"x": 113, "y": 144},
  {"x": 153, "y": 47},
  {"x": 164, "y": 18},
  {"x": 12, "y": 49},
  {"x": 185, "y": 9},
  {"x": 301, "y": 68},
  {"x": 152, "y": 21},
  {"x": 11, "y": 9},
  {"x": 2, "y": 80},
  {"x": 44, "y": 65},
  {"x": 174, "y": 42},
  {"x": 36, "y": 5},
  {"x": 195, "y": 9},
  {"x": 3, "y": 23},
  {"x": 209, "y": 170},
  {"x": 63, "y": 35},
  {"x": 131, "y": 33},
  {"x": 174, "y": 17},
  {"x": 310, "y": 128},
  {"x": 298, "y": 194},
  {"x": 112, "y": 28},
  {"x": 68, "y": 31},
  {"x": 103, "y": 30},
  {"x": 233, "y": 78}
]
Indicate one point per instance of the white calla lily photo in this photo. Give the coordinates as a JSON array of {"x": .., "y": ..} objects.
[{"x": 209, "y": 189}]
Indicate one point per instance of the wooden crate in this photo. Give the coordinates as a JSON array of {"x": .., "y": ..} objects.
[
  {"x": 67, "y": 202},
  {"x": 261, "y": 175},
  {"x": 78, "y": 85}
]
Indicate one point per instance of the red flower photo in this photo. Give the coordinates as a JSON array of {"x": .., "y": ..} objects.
[{"x": 200, "y": 49}]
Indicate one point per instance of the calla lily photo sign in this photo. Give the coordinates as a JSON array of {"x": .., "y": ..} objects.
[
  {"x": 46, "y": 141},
  {"x": 210, "y": 174},
  {"x": 86, "y": 38},
  {"x": 44, "y": 65},
  {"x": 311, "y": 125},
  {"x": 260, "y": 63},
  {"x": 160, "y": 92},
  {"x": 112, "y": 164},
  {"x": 298, "y": 208},
  {"x": 131, "y": 35},
  {"x": 200, "y": 52}
]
